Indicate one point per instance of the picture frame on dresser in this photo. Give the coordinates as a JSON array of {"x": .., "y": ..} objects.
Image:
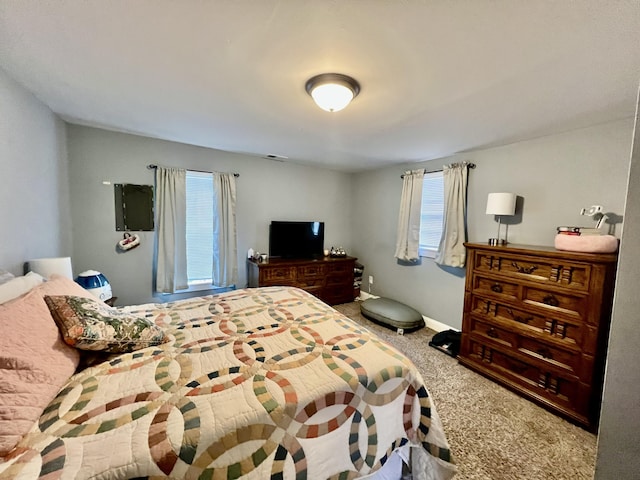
[{"x": 536, "y": 320}]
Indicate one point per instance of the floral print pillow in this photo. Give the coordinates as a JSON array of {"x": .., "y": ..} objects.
[{"x": 89, "y": 324}]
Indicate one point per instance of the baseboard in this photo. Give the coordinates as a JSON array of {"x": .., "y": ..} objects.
[
  {"x": 365, "y": 296},
  {"x": 436, "y": 325}
]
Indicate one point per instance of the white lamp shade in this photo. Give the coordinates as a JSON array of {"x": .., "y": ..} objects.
[
  {"x": 332, "y": 97},
  {"x": 48, "y": 266},
  {"x": 501, "y": 204}
]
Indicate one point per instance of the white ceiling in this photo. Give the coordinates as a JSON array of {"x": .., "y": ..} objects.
[{"x": 437, "y": 76}]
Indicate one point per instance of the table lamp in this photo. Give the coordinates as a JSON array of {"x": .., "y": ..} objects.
[{"x": 500, "y": 204}]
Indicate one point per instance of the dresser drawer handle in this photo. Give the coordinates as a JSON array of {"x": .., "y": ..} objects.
[
  {"x": 517, "y": 366},
  {"x": 526, "y": 270},
  {"x": 545, "y": 352},
  {"x": 496, "y": 287},
  {"x": 519, "y": 318},
  {"x": 551, "y": 301},
  {"x": 492, "y": 332}
]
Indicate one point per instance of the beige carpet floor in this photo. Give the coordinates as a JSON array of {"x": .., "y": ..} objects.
[{"x": 493, "y": 433}]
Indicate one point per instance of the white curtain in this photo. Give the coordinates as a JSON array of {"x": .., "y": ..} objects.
[
  {"x": 171, "y": 255},
  {"x": 451, "y": 251},
  {"x": 408, "y": 237},
  {"x": 225, "y": 251}
]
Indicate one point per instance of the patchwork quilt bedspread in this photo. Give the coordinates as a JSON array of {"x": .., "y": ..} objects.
[{"x": 256, "y": 383}]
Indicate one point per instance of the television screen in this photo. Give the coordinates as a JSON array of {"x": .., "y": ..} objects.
[{"x": 296, "y": 239}]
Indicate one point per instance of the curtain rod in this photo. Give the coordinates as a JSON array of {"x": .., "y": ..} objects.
[
  {"x": 153, "y": 167},
  {"x": 471, "y": 165}
]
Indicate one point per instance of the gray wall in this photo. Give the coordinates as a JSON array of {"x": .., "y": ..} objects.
[
  {"x": 618, "y": 445},
  {"x": 555, "y": 176},
  {"x": 266, "y": 190},
  {"x": 34, "y": 200}
]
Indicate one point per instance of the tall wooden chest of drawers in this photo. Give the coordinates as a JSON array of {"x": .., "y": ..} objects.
[
  {"x": 536, "y": 320},
  {"x": 330, "y": 278}
]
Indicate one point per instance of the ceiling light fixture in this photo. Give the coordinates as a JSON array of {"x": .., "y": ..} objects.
[{"x": 332, "y": 91}]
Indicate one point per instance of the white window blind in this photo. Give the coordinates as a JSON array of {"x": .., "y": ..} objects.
[
  {"x": 199, "y": 228},
  {"x": 431, "y": 214}
]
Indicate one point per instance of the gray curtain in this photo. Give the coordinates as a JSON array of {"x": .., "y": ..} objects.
[
  {"x": 408, "y": 236},
  {"x": 225, "y": 251},
  {"x": 171, "y": 253},
  {"x": 451, "y": 251}
]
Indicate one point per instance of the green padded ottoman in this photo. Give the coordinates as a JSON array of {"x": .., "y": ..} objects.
[{"x": 392, "y": 313}]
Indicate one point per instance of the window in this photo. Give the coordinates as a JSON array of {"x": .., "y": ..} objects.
[
  {"x": 431, "y": 214},
  {"x": 199, "y": 228}
]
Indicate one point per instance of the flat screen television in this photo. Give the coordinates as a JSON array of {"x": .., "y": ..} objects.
[{"x": 296, "y": 239}]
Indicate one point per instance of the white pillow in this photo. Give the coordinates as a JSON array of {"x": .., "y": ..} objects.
[
  {"x": 5, "y": 276},
  {"x": 19, "y": 286}
]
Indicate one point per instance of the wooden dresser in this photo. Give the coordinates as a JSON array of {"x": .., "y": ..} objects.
[
  {"x": 536, "y": 320},
  {"x": 330, "y": 278}
]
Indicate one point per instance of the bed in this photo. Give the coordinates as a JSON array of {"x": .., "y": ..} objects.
[{"x": 255, "y": 383}]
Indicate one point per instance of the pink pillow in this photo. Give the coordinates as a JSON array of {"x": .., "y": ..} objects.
[{"x": 35, "y": 363}]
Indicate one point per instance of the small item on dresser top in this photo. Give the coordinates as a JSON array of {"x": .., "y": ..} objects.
[
  {"x": 594, "y": 211},
  {"x": 568, "y": 230},
  {"x": 587, "y": 239},
  {"x": 128, "y": 242},
  {"x": 260, "y": 257},
  {"x": 579, "y": 231},
  {"x": 338, "y": 252}
]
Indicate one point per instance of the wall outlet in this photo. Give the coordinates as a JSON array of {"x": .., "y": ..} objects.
[{"x": 370, "y": 279}]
